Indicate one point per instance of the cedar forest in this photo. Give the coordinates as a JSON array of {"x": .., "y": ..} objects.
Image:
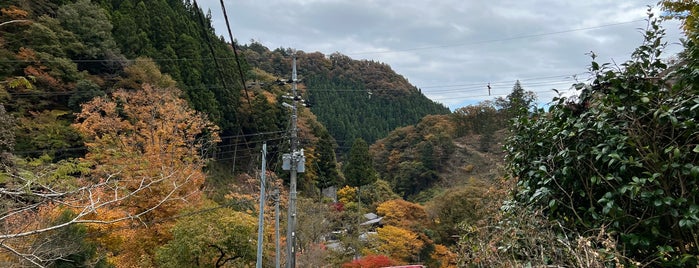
[{"x": 131, "y": 137}]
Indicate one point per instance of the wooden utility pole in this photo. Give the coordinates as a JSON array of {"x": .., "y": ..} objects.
[{"x": 276, "y": 227}]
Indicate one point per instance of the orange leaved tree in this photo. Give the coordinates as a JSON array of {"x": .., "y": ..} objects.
[
  {"x": 144, "y": 164},
  {"x": 149, "y": 144}
]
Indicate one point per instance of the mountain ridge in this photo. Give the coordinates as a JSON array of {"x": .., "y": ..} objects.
[{"x": 352, "y": 98}]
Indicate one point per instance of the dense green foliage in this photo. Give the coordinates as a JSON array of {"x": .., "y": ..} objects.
[
  {"x": 71, "y": 51},
  {"x": 329, "y": 173},
  {"x": 60, "y": 56},
  {"x": 622, "y": 157},
  {"x": 352, "y": 98},
  {"x": 220, "y": 238},
  {"x": 179, "y": 37},
  {"x": 359, "y": 170},
  {"x": 66, "y": 53},
  {"x": 351, "y": 109}
]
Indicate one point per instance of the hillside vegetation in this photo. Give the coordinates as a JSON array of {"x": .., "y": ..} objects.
[
  {"x": 131, "y": 137},
  {"x": 610, "y": 177},
  {"x": 352, "y": 98},
  {"x": 118, "y": 134}
]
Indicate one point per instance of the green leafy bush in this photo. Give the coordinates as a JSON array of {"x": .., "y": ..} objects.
[{"x": 622, "y": 156}]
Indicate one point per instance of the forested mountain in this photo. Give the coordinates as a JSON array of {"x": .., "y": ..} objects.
[
  {"x": 79, "y": 50},
  {"x": 103, "y": 101},
  {"x": 129, "y": 139},
  {"x": 352, "y": 98}
]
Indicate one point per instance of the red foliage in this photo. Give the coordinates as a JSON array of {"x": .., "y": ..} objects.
[
  {"x": 370, "y": 261},
  {"x": 338, "y": 206}
]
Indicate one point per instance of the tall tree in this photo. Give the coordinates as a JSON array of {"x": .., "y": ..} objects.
[
  {"x": 146, "y": 140},
  {"x": 328, "y": 173},
  {"x": 359, "y": 170},
  {"x": 518, "y": 102},
  {"x": 92, "y": 27}
]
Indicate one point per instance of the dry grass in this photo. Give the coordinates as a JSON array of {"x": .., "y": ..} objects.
[{"x": 513, "y": 236}]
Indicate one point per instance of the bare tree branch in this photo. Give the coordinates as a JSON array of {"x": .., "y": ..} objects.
[
  {"x": 86, "y": 202},
  {"x": 14, "y": 21},
  {"x": 29, "y": 257},
  {"x": 95, "y": 205},
  {"x": 138, "y": 174}
]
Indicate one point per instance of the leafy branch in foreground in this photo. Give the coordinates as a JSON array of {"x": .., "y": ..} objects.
[{"x": 622, "y": 157}]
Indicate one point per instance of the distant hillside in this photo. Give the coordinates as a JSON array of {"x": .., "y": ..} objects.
[
  {"x": 441, "y": 152},
  {"x": 352, "y": 98}
]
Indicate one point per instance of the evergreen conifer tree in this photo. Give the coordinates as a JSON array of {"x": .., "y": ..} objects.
[{"x": 360, "y": 170}]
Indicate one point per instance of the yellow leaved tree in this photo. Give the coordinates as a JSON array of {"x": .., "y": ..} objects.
[
  {"x": 396, "y": 243},
  {"x": 404, "y": 214}
]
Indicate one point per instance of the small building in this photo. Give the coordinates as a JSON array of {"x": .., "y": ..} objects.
[{"x": 373, "y": 221}]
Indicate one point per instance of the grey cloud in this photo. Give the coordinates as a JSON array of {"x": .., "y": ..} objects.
[{"x": 449, "y": 41}]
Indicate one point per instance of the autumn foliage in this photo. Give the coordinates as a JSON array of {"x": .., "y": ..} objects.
[
  {"x": 370, "y": 261},
  {"x": 146, "y": 137},
  {"x": 404, "y": 214},
  {"x": 395, "y": 242}
]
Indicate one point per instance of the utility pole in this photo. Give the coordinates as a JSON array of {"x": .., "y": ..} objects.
[
  {"x": 276, "y": 227},
  {"x": 261, "y": 219},
  {"x": 295, "y": 163}
]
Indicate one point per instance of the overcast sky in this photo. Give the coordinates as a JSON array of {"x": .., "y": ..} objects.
[{"x": 452, "y": 49}]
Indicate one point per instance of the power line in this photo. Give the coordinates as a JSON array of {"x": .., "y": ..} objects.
[
  {"x": 507, "y": 81},
  {"x": 496, "y": 40},
  {"x": 472, "y": 87},
  {"x": 486, "y": 95},
  {"x": 235, "y": 52},
  {"x": 484, "y": 88},
  {"x": 78, "y": 148},
  {"x": 71, "y": 92},
  {"x": 449, "y": 89},
  {"x": 116, "y": 60},
  {"x": 210, "y": 45},
  {"x": 352, "y": 53}
]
